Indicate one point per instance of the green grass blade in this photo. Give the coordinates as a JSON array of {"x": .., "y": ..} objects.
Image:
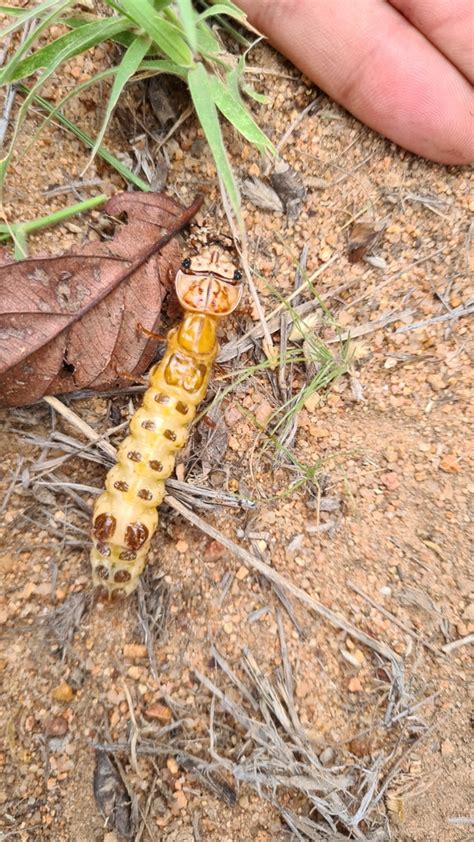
[
  {"x": 21, "y": 16},
  {"x": 201, "y": 94},
  {"x": 125, "y": 70},
  {"x": 14, "y": 11},
  {"x": 56, "y": 110},
  {"x": 165, "y": 35},
  {"x": 208, "y": 44},
  {"x": 7, "y": 230},
  {"x": 236, "y": 113},
  {"x": 88, "y": 141},
  {"x": 223, "y": 9},
  {"x": 188, "y": 20},
  {"x": 262, "y": 99},
  {"x": 162, "y": 65},
  {"x": 52, "y": 55},
  {"x": 30, "y": 39}
]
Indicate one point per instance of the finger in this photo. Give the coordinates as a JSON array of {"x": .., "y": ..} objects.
[
  {"x": 377, "y": 65},
  {"x": 449, "y": 26}
]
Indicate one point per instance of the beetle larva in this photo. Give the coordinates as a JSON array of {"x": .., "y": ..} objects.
[{"x": 125, "y": 515}]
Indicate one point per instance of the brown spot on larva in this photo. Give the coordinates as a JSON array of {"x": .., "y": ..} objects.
[
  {"x": 161, "y": 398},
  {"x": 148, "y": 424},
  {"x": 127, "y": 555},
  {"x": 104, "y": 526},
  {"x": 134, "y": 456},
  {"x": 144, "y": 494},
  {"x": 102, "y": 572},
  {"x": 117, "y": 594},
  {"x": 122, "y": 576},
  {"x": 155, "y": 465},
  {"x": 135, "y": 535},
  {"x": 170, "y": 434},
  {"x": 121, "y": 485},
  {"x": 182, "y": 407},
  {"x": 103, "y": 549}
]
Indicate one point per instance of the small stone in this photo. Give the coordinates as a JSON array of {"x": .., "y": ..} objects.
[
  {"x": 63, "y": 693},
  {"x": 449, "y": 464},
  {"x": 134, "y": 650},
  {"x": 214, "y": 551},
  {"x": 232, "y": 415},
  {"x": 390, "y": 480},
  {"x": 56, "y": 726},
  {"x": 180, "y": 801},
  {"x": 325, "y": 253},
  {"x": 242, "y": 572},
  {"x": 436, "y": 382},
  {"x": 160, "y": 712},
  {"x": 263, "y": 413},
  {"x": 355, "y": 685},
  {"x": 228, "y": 628},
  {"x": 182, "y": 546},
  {"x": 359, "y": 747},
  {"x": 327, "y": 757},
  {"x": 447, "y": 748},
  {"x": 172, "y": 765},
  {"x": 135, "y": 673}
]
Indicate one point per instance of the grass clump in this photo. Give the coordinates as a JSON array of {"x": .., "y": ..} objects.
[{"x": 156, "y": 36}]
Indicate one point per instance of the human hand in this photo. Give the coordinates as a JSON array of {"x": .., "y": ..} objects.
[{"x": 404, "y": 67}]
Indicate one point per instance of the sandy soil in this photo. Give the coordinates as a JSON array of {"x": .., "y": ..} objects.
[{"x": 391, "y": 440}]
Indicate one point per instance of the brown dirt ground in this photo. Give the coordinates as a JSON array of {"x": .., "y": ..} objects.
[{"x": 399, "y": 458}]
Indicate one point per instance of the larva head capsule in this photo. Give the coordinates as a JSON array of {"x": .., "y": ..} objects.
[{"x": 209, "y": 284}]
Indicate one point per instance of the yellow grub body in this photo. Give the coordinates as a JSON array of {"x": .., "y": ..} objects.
[{"x": 125, "y": 515}]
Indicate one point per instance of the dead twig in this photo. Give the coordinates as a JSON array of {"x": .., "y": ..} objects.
[
  {"x": 457, "y": 313},
  {"x": 233, "y": 349},
  {"x": 272, "y": 575},
  {"x": 393, "y": 619},
  {"x": 456, "y": 644}
]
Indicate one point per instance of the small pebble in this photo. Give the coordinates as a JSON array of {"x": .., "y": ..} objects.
[
  {"x": 56, "y": 726},
  {"x": 449, "y": 464},
  {"x": 328, "y": 756},
  {"x": 172, "y": 765},
  {"x": 447, "y": 748},
  {"x": 134, "y": 650},
  {"x": 160, "y": 712},
  {"x": 63, "y": 693},
  {"x": 355, "y": 685}
]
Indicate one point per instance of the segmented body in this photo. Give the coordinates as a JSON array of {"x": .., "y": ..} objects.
[{"x": 125, "y": 515}]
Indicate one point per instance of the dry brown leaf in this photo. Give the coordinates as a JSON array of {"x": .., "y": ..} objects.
[
  {"x": 363, "y": 236},
  {"x": 72, "y": 321},
  {"x": 111, "y": 796},
  {"x": 289, "y": 186},
  {"x": 262, "y": 195}
]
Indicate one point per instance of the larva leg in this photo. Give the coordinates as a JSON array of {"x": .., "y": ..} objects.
[{"x": 125, "y": 515}]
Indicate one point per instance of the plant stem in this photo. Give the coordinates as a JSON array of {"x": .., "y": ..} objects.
[
  {"x": 19, "y": 231},
  {"x": 88, "y": 141}
]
